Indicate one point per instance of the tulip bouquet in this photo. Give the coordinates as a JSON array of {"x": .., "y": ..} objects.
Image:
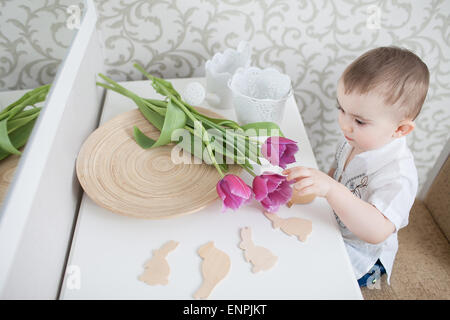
[
  {"x": 217, "y": 142},
  {"x": 17, "y": 121}
]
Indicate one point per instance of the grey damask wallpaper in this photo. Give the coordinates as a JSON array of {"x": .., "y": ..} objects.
[
  {"x": 34, "y": 39},
  {"x": 311, "y": 41}
]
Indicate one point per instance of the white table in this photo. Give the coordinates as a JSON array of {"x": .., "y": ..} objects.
[{"x": 109, "y": 250}]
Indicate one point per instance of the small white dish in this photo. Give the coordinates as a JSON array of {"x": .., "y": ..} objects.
[
  {"x": 259, "y": 95},
  {"x": 221, "y": 68}
]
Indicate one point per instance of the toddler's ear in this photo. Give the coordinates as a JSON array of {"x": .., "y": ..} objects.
[{"x": 404, "y": 127}]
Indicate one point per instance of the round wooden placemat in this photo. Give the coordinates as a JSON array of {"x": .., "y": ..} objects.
[
  {"x": 8, "y": 167},
  {"x": 124, "y": 178}
]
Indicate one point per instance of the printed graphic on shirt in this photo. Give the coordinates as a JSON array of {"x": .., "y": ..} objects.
[
  {"x": 339, "y": 221},
  {"x": 356, "y": 190},
  {"x": 338, "y": 157}
]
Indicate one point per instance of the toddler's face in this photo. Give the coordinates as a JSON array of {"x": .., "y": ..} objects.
[{"x": 366, "y": 122}]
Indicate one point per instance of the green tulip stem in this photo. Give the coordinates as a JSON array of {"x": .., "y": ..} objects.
[
  {"x": 123, "y": 91},
  {"x": 163, "y": 87}
]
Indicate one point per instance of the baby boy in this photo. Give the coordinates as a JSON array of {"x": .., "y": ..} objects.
[{"x": 372, "y": 183}]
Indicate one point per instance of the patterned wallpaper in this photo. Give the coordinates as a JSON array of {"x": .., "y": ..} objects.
[
  {"x": 311, "y": 41},
  {"x": 34, "y": 39}
]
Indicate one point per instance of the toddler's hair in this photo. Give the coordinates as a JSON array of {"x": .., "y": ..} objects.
[{"x": 396, "y": 73}]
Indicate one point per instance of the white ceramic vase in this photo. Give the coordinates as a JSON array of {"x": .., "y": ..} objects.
[
  {"x": 219, "y": 71},
  {"x": 259, "y": 95}
]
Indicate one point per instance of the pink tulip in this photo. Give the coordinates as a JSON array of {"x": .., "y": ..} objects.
[
  {"x": 233, "y": 192},
  {"x": 279, "y": 151},
  {"x": 272, "y": 190}
]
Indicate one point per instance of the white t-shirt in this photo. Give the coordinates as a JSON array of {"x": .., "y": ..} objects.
[{"x": 386, "y": 178}]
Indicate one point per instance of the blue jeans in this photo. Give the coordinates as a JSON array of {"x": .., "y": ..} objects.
[{"x": 372, "y": 274}]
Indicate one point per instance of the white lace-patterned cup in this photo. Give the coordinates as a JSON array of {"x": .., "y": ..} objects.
[
  {"x": 259, "y": 95},
  {"x": 221, "y": 68}
]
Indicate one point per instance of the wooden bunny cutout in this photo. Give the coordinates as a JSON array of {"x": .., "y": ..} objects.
[
  {"x": 298, "y": 227},
  {"x": 215, "y": 266},
  {"x": 260, "y": 257},
  {"x": 157, "y": 269}
]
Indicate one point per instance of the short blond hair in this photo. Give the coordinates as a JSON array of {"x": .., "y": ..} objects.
[{"x": 396, "y": 72}]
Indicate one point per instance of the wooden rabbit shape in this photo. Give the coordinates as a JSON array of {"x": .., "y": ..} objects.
[
  {"x": 260, "y": 257},
  {"x": 157, "y": 269},
  {"x": 215, "y": 266},
  {"x": 298, "y": 227}
]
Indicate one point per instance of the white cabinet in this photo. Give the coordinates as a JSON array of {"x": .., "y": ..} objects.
[{"x": 40, "y": 208}]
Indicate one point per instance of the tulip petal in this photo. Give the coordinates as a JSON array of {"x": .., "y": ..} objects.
[
  {"x": 272, "y": 181},
  {"x": 272, "y": 190},
  {"x": 289, "y": 155},
  {"x": 279, "y": 151},
  {"x": 233, "y": 191},
  {"x": 260, "y": 188},
  {"x": 238, "y": 186},
  {"x": 283, "y": 140},
  {"x": 230, "y": 201},
  {"x": 219, "y": 190},
  {"x": 266, "y": 203},
  {"x": 273, "y": 176},
  {"x": 282, "y": 195},
  {"x": 272, "y": 184},
  {"x": 286, "y": 160},
  {"x": 291, "y": 148}
]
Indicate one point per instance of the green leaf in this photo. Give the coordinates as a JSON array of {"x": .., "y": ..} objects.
[
  {"x": 25, "y": 114},
  {"x": 160, "y": 110},
  {"x": 153, "y": 117},
  {"x": 5, "y": 142},
  {"x": 16, "y": 124},
  {"x": 175, "y": 119},
  {"x": 19, "y": 122},
  {"x": 218, "y": 121},
  {"x": 35, "y": 92},
  {"x": 31, "y": 100},
  {"x": 141, "y": 139},
  {"x": 155, "y": 105},
  {"x": 158, "y": 103},
  {"x": 19, "y": 138},
  {"x": 229, "y": 123},
  {"x": 160, "y": 85},
  {"x": 268, "y": 126}
]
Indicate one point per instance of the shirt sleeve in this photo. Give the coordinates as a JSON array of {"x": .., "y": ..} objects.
[{"x": 393, "y": 196}]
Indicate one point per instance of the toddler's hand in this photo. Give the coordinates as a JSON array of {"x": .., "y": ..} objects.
[{"x": 309, "y": 180}]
